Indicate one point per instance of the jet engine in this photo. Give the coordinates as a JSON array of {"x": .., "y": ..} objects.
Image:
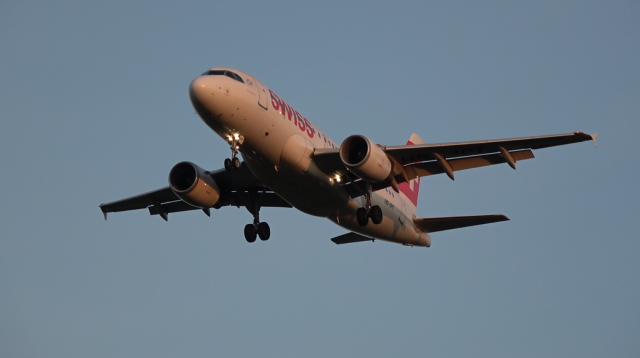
[
  {"x": 193, "y": 185},
  {"x": 365, "y": 159}
]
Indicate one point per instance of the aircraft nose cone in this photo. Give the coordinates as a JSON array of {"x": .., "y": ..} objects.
[{"x": 199, "y": 90}]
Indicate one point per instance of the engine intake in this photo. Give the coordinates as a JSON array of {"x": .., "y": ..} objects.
[
  {"x": 191, "y": 184},
  {"x": 365, "y": 159}
]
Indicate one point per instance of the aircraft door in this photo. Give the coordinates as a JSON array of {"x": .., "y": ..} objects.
[{"x": 263, "y": 96}]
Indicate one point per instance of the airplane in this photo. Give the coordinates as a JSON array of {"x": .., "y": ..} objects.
[{"x": 371, "y": 190}]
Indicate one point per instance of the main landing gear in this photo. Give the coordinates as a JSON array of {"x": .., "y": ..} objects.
[
  {"x": 374, "y": 212},
  {"x": 259, "y": 229},
  {"x": 234, "y": 144},
  {"x": 232, "y": 164}
]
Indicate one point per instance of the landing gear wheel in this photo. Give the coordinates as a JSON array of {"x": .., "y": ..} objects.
[
  {"x": 361, "y": 216},
  {"x": 250, "y": 233},
  {"x": 227, "y": 164},
  {"x": 264, "y": 232},
  {"x": 257, "y": 228},
  {"x": 235, "y": 163},
  {"x": 375, "y": 214}
]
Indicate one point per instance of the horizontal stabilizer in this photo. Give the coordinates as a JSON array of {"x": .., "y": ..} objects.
[
  {"x": 349, "y": 238},
  {"x": 456, "y": 222}
]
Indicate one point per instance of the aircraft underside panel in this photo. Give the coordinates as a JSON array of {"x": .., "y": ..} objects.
[
  {"x": 310, "y": 192},
  {"x": 395, "y": 226}
]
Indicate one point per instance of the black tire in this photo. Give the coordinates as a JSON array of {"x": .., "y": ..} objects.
[
  {"x": 361, "y": 216},
  {"x": 227, "y": 164},
  {"x": 235, "y": 162},
  {"x": 375, "y": 214},
  {"x": 250, "y": 233},
  {"x": 264, "y": 232}
]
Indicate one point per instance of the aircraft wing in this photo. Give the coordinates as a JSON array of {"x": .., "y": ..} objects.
[
  {"x": 428, "y": 159},
  {"x": 407, "y": 154},
  {"x": 235, "y": 187},
  {"x": 141, "y": 201}
]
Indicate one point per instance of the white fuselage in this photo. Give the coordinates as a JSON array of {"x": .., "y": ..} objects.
[{"x": 277, "y": 146}]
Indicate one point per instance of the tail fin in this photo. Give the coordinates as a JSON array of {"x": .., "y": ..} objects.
[{"x": 411, "y": 189}]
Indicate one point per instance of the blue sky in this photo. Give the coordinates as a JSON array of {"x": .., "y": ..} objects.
[{"x": 94, "y": 108}]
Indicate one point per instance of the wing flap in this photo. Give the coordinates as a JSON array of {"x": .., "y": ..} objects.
[
  {"x": 433, "y": 167},
  {"x": 269, "y": 200},
  {"x": 172, "y": 207},
  {"x": 455, "y": 222}
]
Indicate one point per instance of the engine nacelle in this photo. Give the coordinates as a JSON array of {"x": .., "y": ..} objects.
[
  {"x": 365, "y": 159},
  {"x": 190, "y": 183}
]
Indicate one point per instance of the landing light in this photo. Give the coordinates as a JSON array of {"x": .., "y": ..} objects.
[
  {"x": 337, "y": 178},
  {"x": 236, "y": 136}
]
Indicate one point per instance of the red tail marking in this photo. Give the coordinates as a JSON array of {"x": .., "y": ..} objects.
[{"x": 411, "y": 188}]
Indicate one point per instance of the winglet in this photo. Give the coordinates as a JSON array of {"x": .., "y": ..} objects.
[
  {"x": 104, "y": 211},
  {"x": 595, "y": 139}
]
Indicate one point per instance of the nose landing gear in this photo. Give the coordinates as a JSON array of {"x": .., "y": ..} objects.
[
  {"x": 234, "y": 144},
  {"x": 259, "y": 229}
]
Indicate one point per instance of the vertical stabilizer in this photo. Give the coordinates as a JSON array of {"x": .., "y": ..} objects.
[{"x": 410, "y": 190}]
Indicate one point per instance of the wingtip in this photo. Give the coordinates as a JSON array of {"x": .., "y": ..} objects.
[
  {"x": 104, "y": 211},
  {"x": 587, "y": 136}
]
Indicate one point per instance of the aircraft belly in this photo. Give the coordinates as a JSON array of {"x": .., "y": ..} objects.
[
  {"x": 395, "y": 226},
  {"x": 310, "y": 192}
]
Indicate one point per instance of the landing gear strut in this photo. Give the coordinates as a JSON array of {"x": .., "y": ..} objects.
[
  {"x": 374, "y": 212},
  {"x": 234, "y": 145},
  {"x": 259, "y": 229}
]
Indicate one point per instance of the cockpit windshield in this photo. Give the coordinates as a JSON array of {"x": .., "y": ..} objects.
[{"x": 223, "y": 73}]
